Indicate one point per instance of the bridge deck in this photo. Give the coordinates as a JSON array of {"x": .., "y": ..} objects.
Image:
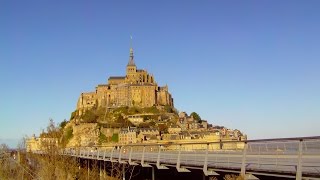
[{"x": 298, "y": 157}]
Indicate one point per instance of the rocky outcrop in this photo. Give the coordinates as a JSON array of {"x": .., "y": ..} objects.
[{"x": 85, "y": 134}]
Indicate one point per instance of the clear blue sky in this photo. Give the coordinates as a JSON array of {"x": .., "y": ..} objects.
[{"x": 250, "y": 65}]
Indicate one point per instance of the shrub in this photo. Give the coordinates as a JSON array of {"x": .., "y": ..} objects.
[
  {"x": 115, "y": 137},
  {"x": 133, "y": 110},
  {"x": 89, "y": 117},
  {"x": 195, "y": 116},
  {"x": 168, "y": 109},
  {"x": 68, "y": 134},
  {"x": 144, "y": 125},
  {"x": 63, "y": 124},
  {"x": 102, "y": 138}
]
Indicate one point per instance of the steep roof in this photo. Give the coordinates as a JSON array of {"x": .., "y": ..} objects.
[
  {"x": 131, "y": 58},
  {"x": 117, "y": 77}
]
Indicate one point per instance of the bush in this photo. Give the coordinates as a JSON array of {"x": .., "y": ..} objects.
[
  {"x": 195, "y": 116},
  {"x": 89, "y": 117},
  {"x": 133, "y": 110},
  {"x": 52, "y": 131},
  {"x": 102, "y": 138},
  {"x": 115, "y": 137},
  {"x": 68, "y": 134},
  {"x": 74, "y": 114},
  {"x": 152, "y": 109},
  {"x": 120, "y": 110},
  {"x": 144, "y": 125},
  {"x": 63, "y": 124},
  {"x": 168, "y": 109}
]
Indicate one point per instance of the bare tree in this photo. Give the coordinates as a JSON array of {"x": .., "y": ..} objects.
[{"x": 50, "y": 164}]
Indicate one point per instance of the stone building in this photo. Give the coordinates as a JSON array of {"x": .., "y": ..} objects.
[
  {"x": 136, "y": 88},
  {"x": 40, "y": 144},
  {"x": 174, "y": 129},
  {"x": 128, "y": 136},
  {"x": 147, "y": 134}
]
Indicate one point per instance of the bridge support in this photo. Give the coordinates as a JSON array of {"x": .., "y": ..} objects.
[
  {"x": 88, "y": 154},
  {"x": 299, "y": 172},
  {"x": 111, "y": 156},
  {"x": 179, "y": 168},
  {"x": 121, "y": 149},
  {"x": 143, "y": 164},
  {"x": 159, "y": 166},
  {"x": 88, "y": 175},
  {"x": 130, "y": 156},
  {"x": 243, "y": 165},
  {"x": 104, "y": 155},
  {"x": 101, "y": 172},
  {"x": 123, "y": 172},
  {"x": 206, "y": 171}
]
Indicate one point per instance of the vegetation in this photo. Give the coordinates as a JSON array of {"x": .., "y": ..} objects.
[
  {"x": 144, "y": 125},
  {"x": 115, "y": 137},
  {"x": 14, "y": 169},
  {"x": 68, "y": 134},
  {"x": 74, "y": 114},
  {"x": 89, "y": 117},
  {"x": 152, "y": 110},
  {"x": 115, "y": 118},
  {"x": 51, "y": 165},
  {"x": 102, "y": 138},
  {"x": 52, "y": 131},
  {"x": 195, "y": 116},
  {"x": 63, "y": 124},
  {"x": 168, "y": 109}
]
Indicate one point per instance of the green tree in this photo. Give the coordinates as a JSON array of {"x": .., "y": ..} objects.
[
  {"x": 115, "y": 137},
  {"x": 195, "y": 116},
  {"x": 63, "y": 124}
]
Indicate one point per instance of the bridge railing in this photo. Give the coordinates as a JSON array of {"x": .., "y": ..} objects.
[{"x": 298, "y": 156}]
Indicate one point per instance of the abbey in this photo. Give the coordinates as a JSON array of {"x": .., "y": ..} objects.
[{"x": 136, "y": 88}]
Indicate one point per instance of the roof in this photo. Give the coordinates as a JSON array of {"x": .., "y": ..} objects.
[
  {"x": 131, "y": 60},
  {"x": 148, "y": 129},
  {"x": 102, "y": 85},
  {"x": 117, "y": 77},
  {"x": 174, "y": 126}
]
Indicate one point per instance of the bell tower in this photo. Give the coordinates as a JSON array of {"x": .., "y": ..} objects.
[{"x": 131, "y": 67}]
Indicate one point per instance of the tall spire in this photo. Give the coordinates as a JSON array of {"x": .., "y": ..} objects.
[{"x": 131, "y": 57}]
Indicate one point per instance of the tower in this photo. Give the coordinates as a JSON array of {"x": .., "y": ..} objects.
[{"x": 131, "y": 67}]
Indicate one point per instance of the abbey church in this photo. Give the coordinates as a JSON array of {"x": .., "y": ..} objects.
[{"x": 136, "y": 88}]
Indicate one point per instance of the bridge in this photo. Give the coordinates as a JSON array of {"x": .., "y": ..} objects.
[{"x": 297, "y": 158}]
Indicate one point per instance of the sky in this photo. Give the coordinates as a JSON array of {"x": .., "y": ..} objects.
[{"x": 248, "y": 65}]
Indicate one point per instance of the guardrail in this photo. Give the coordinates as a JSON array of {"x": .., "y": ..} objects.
[{"x": 286, "y": 157}]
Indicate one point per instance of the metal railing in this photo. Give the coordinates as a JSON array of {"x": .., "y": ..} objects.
[{"x": 287, "y": 157}]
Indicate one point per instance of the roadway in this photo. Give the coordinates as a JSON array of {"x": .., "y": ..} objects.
[{"x": 299, "y": 157}]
